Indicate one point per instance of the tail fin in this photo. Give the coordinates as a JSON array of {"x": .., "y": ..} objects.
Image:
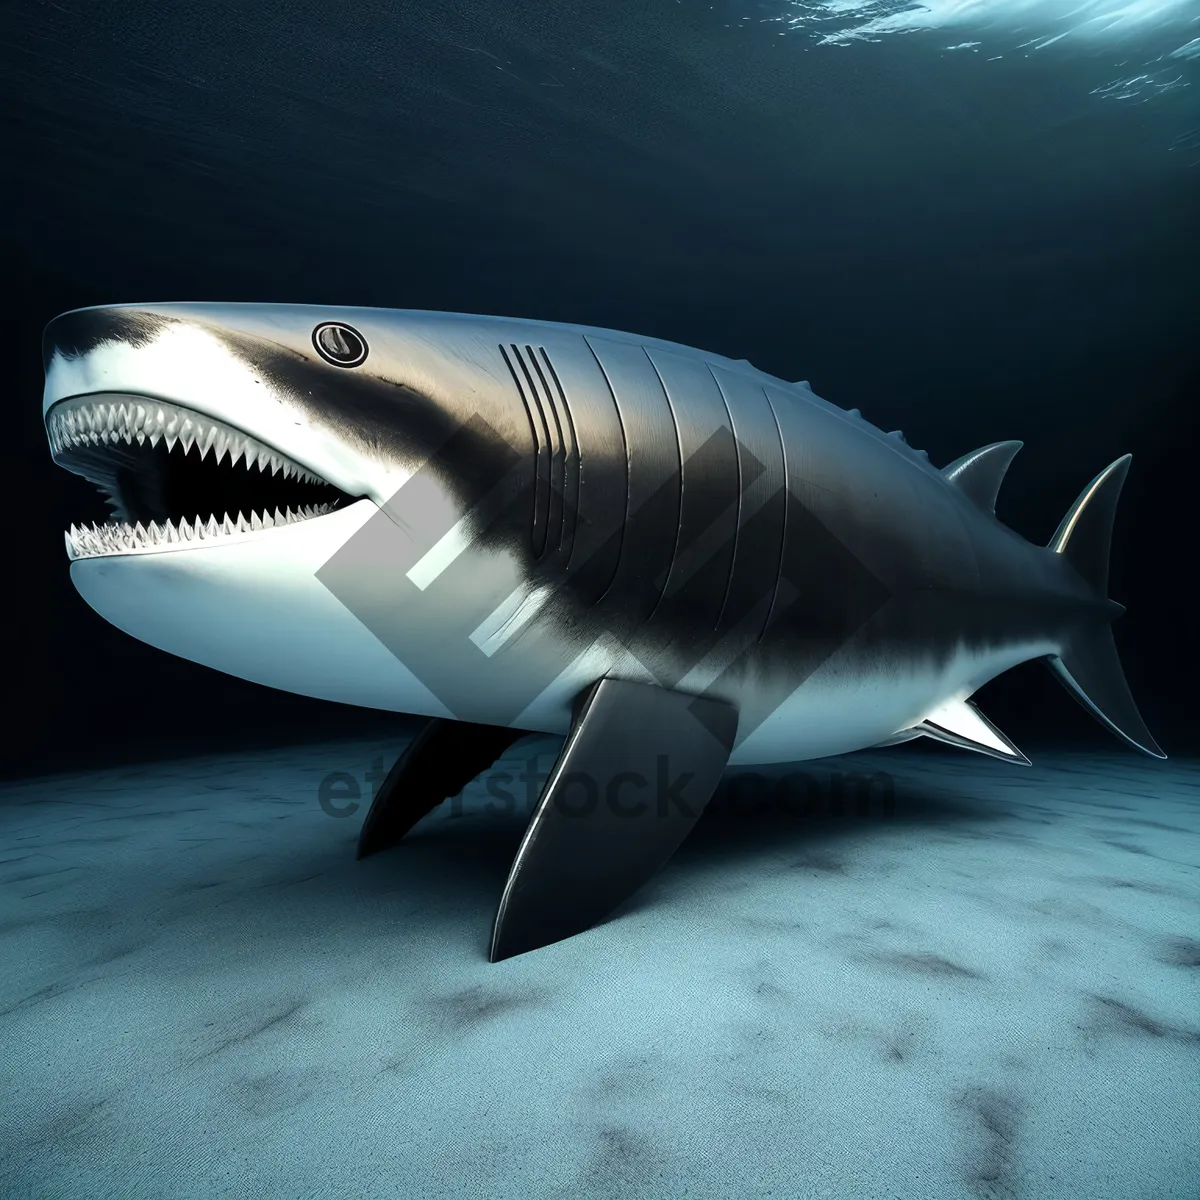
[{"x": 1088, "y": 666}]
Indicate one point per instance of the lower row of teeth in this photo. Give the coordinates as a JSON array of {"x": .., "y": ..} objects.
[{"x": 118, "y": 536}]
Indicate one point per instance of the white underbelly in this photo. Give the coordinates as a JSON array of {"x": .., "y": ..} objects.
[{"x": 844, "y": 707}]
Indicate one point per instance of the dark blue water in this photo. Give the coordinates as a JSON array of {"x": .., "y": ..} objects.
[
  {"x": 972, "y": 221},
  {"x": 991, "y": 241}
]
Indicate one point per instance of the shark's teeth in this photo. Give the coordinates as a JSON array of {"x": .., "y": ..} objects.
[
  {"x": 100, "y": 422},
  {"x": 115, "y": 422},
  {"x": 119, "y": 537}
]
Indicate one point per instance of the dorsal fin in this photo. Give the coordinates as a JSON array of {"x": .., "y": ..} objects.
[
  {"x": 1084, "y": 535},
  {"x": 980, "y": 473}
]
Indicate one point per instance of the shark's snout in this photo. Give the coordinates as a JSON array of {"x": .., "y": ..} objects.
[
  {"x": 242, "y": 450},
  {"x": 201, "y": 423}
]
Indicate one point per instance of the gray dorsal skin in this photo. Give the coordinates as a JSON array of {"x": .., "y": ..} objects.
[
  {"x": 980, "y": 473},
  {"x": 479, "y": 520}
]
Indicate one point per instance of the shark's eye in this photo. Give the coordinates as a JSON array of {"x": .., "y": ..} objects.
[{"x": 339, "y": 344}]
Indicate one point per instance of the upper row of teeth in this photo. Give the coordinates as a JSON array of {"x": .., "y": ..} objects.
[{"x": 134, "y": 421}]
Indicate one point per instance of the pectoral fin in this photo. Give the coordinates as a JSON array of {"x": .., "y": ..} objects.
[
  {"x": 437, "y": 764},
  {"x": 637, "y": 769}
]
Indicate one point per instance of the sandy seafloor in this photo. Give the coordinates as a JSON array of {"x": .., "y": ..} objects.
[{"x": 992, "y": 990}]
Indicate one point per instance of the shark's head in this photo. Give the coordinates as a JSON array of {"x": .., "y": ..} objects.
[{"x": 241, "y": 447}]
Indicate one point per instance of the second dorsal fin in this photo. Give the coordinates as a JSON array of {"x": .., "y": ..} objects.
[{"x": 980, "y": 473}]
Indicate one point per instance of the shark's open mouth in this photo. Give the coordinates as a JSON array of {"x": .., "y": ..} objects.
[{"x": 174, "y": 477}]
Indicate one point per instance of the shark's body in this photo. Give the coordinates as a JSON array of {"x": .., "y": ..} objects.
[{"x": 508, "y": 512}]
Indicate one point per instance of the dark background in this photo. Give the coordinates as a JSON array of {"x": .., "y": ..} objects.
[{"x": 968, "y": 245}]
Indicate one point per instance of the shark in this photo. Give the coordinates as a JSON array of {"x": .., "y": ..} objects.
[{"x": 670, "y": 559}]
